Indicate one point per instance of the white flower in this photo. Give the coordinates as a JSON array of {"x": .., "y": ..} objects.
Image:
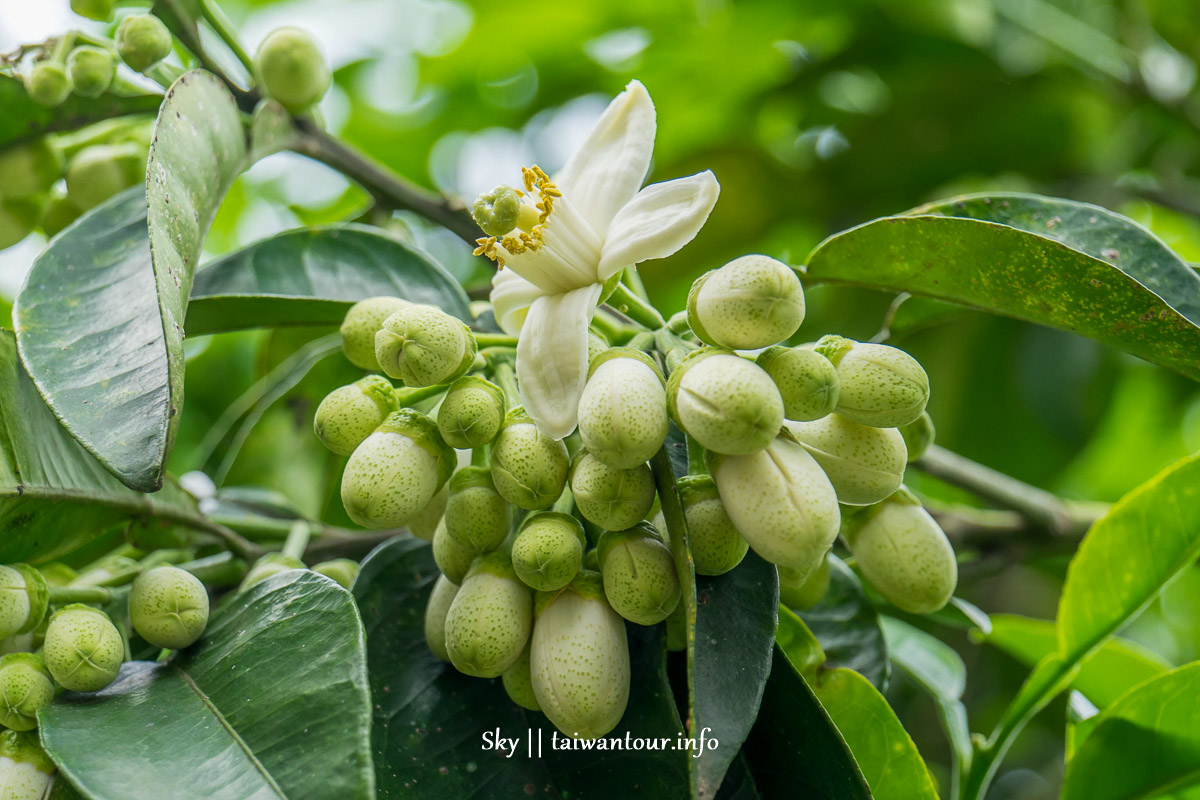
[{"x": 574, "y": 233}]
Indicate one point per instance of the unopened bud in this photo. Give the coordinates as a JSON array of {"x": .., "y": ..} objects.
[
  {"x": 424, "y": 346},
  {"x": 726, "y": 403},
  {"x": 751, "y": 302},
  {"x": 864, "y": 464}
]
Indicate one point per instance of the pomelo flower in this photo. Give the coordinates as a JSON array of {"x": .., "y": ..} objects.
[{"x": 558, "y": 241}]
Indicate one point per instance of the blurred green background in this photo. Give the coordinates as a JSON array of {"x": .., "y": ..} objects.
[{"x": 815, "y": 116}]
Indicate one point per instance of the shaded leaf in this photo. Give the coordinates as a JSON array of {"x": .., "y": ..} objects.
[
  {"x": 24, "y": 119},
  {"x": 847, "y": 626}
]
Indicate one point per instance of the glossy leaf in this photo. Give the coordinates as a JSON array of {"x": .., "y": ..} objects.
[
  {"x": 1147, "y": 744},
  {"x": 272, "y": 702},
  {"x": 1053, "y": 262},
  {"x": 24, "y": 119},
  {"x": 54, "y": 495},
  {"x": 798, "y": 643},
  {"x": 847, "y": 626},
  {"x": 313, "y": 276}
]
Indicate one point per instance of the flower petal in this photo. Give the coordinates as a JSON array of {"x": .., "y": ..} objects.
[
  {"x": 660, "y": 220},
  {"x": 512, "y": 296},
  {"x": 552, "y": 360},
  {"x": 605, "y": 172}
]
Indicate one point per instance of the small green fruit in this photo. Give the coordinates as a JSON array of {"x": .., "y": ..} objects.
[
  {"x": 471, "y": 413},
  {"x": 425, "y": 522},
  {"x": 879, "y": 385},
  {"x": 528, "y": 467},
  {"x": 639, "y": 574},
  {"x": 548, "y": 551},
  {"x": 477, "y": 517},
  {"x": 48, "y": 84},
  {"x": 807, "y": 381},
  {"x": 361, "y": 323},
  {"x": 18, "y": 218},
  {"x": 83, "y": 649},
  {"x": 424, "y": 346},
  {"x": 91, "y": 70},
  {"x": 716, "y": 545},
  {"x": 143, "y": 41},
  {"x": 57, "y": 214},
  {"x": 614, "y": 499},
  {"x": 751, "y": 302},
  {"x": 518, "y": 683},
  {"x": 489, "y": 620},
  {"x": 342, "y": 571},
  {"x": 451, "y": 557},
  {"x": 26, "y": 772},
  {"x": 801, "y": 592},
  {"x": 268, "y": 565},
  {"x": 349, "y": 414},
  {"x": 864, "y": 464},
  {"x": 291, "y": 69},
  {"x": 168, "y": 607},
  {"x": 29, "y": 169},
  {"x": 25, "y": 686},
  {"x": 444, "y": 591},
  {"x": 98, "y": 172},
  {"x": 724, "y": 402},
  {"x": 99, "y": 10},
  {"x": 24, "y": 596},
  {"x": 622, "y": 411},
  {"x": 918, "y": 435}
]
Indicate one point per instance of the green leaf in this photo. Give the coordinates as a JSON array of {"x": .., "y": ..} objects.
[
  {"x": 313, "y": 276},
  {"x": 1053, "y": 262},
  {"x": 1146, "y": 744},
  {"x": 271, "y": 703},
  {"x": 735, "y": 634},
  {"x": 54, "y": 495},
  {"x": 430, "y": 719},
  {"x": 24, "y": 119},
  {"x": 1103, "y": 676},
  {"x": 798, "y": 643},
  {"x": 100, "y": 318},
  {"x": 847, "y": 626}
]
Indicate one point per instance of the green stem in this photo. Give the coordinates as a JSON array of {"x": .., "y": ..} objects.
[
  {"x": 240, "y": 546},
  {"x": 506, "y": 379},
  {"x": 297, "y": 539},
  {"x": 672, "y": 511},
  {"x": 479, "y": 456},
  {"x": 222, "y": 26},
  {"x": 495, "y": 340},
  {"x": 222, "y": 569},
  {"x": 695, "y": 453},
  {"x": 565, "y": 503},
  {"x": 410, "y": 397},
  {"x": 61, "y": 595},
  {"x": 633, "y": 280},
  {"x": 609, "y": 328},
  {"x": 63, "y": 47},
  {"x": 643, "y": 341},
  {"x": 634, "y": 307}
]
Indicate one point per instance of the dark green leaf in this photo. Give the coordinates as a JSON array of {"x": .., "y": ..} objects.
[
  {"x": 313, "y": 276},
  {"x": 271, "y": 703},
  {"x": 24, "y": 119},
  {"x": 847, "y": 626}
]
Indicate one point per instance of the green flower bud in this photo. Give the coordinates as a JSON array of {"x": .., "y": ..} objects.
[
  {"x": 548, "y": 551},
  {"x": 83, "y": 649},
  {"x": 24, "y": 596},
  {"x": 622, "y": 411},
  {"x": 677, "y": 629},
  {"x": 801, "y": 592},
  {"x": 18, "y": 218},
  {"x": 864, "y": 464},
  {"x": 452, "y": 558},
  {"x": 879, "y": 385},
  {"x": 476, "y": 515},
  {"x": 518, "y": 683},
  {"x": 489, "y": 621},
  {"x": 639, "y": 574},
  {"x": 168, "y": 607},
  {"x": 724, "y": 402},
  {"x": 443, "y": 594},
  {"x": 98, "y": 172},
  {"x": 591, "y": 561},
  {"x": 751, "y": 302},
  {"x": 614, "y": 499},
  {"x": 424, "y": 346},
  {"x": 29, "y": 169},
  {"x": 904, "y": 553},
  {"x": 918, "y": 435},
  {"x": 496, "y": 212},
  {"x": 341, "y": 571},
  {"x": 25, "y": 686},
  {"x": 425, "y": 522},
  {"x": 596, "y": 345},
  {"x": 26, "y": 772},
  {"x": 143, "y": 41},
  {"x": 528, "y": 467},
  {"x": 361, "y": 323},
  {"x": 396, "y": 471},
  {"x": 291, "y": 70},
  {"x": 48, "y": 84},
  {"x": 716, "y": 545},
  {"x": 579, "y": 660},
  {"x": 471, "y": 413},
  {"x": 807, "y": 381},
  {"x": 268, "y": 565},
  {"x": 91, "y": 70},
  {"x": 57, "y": 214},
  {"x": 780, "y": 501},
  {"x": 99, "y": 10},
  {"x": 349, "y": 414}
]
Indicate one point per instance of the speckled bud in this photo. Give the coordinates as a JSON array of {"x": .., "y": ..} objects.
[
  {"x": 91, "y": 69},
  {"x": 716, "y": 545},
  {"x": 879, "y": 385},
  {"x": 361, "y": 323},
  {"x": 451, "y": 557},
  {"x": 396, "y": 471},
  {"x": 904, "y": 553},
  {"x": 489, "y": 620},
  {"x": 807, "y": 381},
  {"x": 623, "y": 409},
  {"x": 477, "y": 517},
  {"x": 341, "y": 571},
  {"x": 350, "y": 413},
  {"x": 26, "y": 772},
  {"x": 444, "y": 591},
  {"x": 168, "y": 607},
  {"x": 864, "y": 464},
  {"x": 614, "y": 499},
  {"x": 290, "y": 69},
  {"x": 548, "y": 550},
  {"x": 751, "y": 302},
  {"x": 579, "y": 660},
  {"x": 918, "y": 435},
  {"x": 596, "y": 346},
  {"x": 268, "y": 565},
  {"x": 518, "y": 683},
  {"x": 780, "y": 501},
  {"x": 143, "y": 41},
  {"x": 48, "y": 84},
  {"x": 25, "y": 686},
  {"x": 471, "y": 413},
  {"x": 528, "y": 467},
  {"x": 24, "y": 596},
  {"x": 29, "y": 169},
  {"x": 424, "y": 346},
  {"x": 98, "y": 172},
  {"x": 639, "y": 574},
  {"x": 425, "y": 522},
  {"x": 83, "y": 649},
  {"x": 724, "y": 402},
  {"x": 801, "y": 592}
]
